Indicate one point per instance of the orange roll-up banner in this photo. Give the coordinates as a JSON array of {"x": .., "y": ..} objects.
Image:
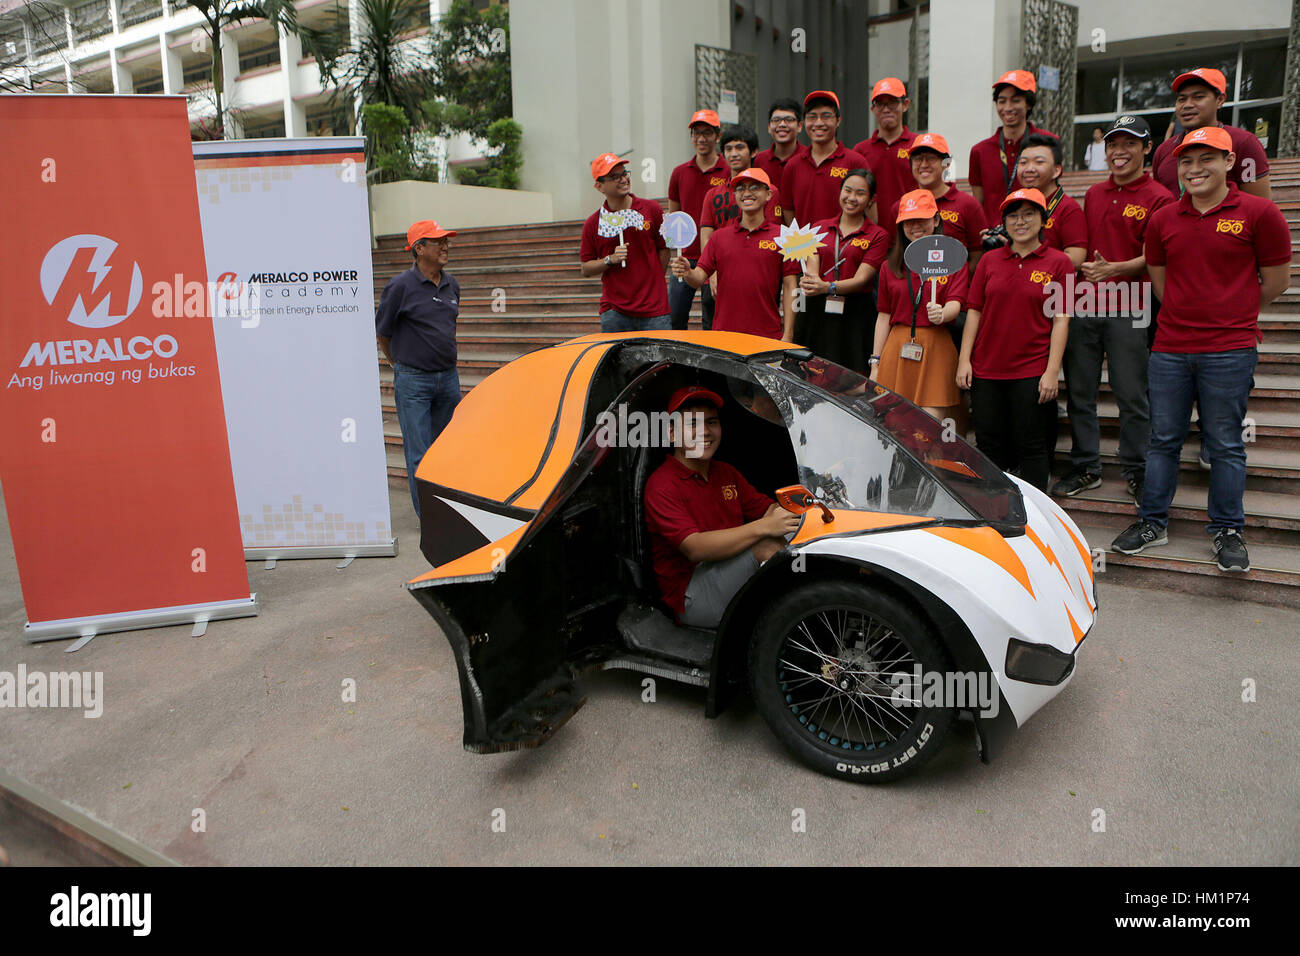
[{"x": 116, "y": 468}]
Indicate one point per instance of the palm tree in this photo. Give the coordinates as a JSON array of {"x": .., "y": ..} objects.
[{"x": 381, "y": 65}]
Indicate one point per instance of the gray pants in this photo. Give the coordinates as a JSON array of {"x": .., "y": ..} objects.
[
  {"x": 712, "y": 587},
  {"x": 1125, "y": 350}
]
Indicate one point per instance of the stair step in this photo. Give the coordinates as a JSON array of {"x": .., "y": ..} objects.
[{"x": 1279, "y": 514}]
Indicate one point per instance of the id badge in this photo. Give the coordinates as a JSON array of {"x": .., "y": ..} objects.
[
  {"x": 911, "y": 351},
  {"x": 835, "y": 305}
]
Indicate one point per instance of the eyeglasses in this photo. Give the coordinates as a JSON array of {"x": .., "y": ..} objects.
[
  {"x": 1023, "y": 215},
  {"x": 750, "y": 187},
  {"x": 784, "y": 121},
  {"x": 616, "y": 177},
  {"x": 824, "y": 117},
  {"x": 434, "y": 242}
]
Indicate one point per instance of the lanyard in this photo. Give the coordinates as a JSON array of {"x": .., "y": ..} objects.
[
  {"x": 914, "y": 299},
  {"x": 1007, "y": 175},
  {"x": 834, "y": 269},
  {"x": 1056, "y": 201}
]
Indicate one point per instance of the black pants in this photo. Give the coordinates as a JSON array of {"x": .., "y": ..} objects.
[
  {"x": 1012, "y": 428},
  {"x": 1122, "y": 341}
]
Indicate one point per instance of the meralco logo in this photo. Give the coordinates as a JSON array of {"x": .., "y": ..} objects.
[{"x": 78, "y": 281}]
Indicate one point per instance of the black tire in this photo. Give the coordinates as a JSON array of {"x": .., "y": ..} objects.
[{"x": 824, "y": 657}]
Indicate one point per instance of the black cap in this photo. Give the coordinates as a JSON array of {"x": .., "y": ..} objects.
[{"x": 1133, "y": 125}]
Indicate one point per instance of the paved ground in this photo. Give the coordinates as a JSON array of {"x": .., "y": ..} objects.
[{"x": 247, "y": 724}]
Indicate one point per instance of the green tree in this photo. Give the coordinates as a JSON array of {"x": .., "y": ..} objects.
[
  {"x": 471, "y": 70},
  {"x": 379, "y": 65},
  {"x": 502, "y": 170},
  {"x": 389, "y": 146}
]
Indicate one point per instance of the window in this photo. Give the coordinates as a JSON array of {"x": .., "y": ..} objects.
[
  {"x": 257, "y": 56},
  {"x": 1096, "y": 89},
  {"x": 1262, "y": 70},
  {"x": 263, "y": 128},
  {"x": 197, "y": 73},
  {"x": 151, "y": 84},
  {"x": 327, "y": 120},
  {"x": 91, "y": 20}
]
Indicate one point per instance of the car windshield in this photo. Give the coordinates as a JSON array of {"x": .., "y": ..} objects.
[{"x": 885, "y": 454}]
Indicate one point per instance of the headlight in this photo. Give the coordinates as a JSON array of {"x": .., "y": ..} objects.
[{"x": 1037, "y": 663}]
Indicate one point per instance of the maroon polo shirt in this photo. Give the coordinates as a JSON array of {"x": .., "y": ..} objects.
[
  {"x": 1067, "y": 225},
  {"x": 1164, "y": 164},
  {"x": 963, "y": 217},
  {"x": 1118, "y": 217},
  {"x": 639, "y": 289},
  {"x": 687, "y": 187},
  {"x": 720, "y": 207},
  {"x": 893, "y": 300},
  {"x": 892, "y": 166},
  {"x": 750, "y": 271},
  {"x": 1010, "y": 293},
  {"x": 812, "y": 191},
  {"x": 679, "y": 503},
  {"x": 987, "y": 170},
  {"x": 868, "y": 243},
  {"x": 1212, "y": 261},
  {"x": 767, "y": 161}
]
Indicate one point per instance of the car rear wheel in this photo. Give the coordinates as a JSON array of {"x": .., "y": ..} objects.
[{"x": 833, "y": 667}]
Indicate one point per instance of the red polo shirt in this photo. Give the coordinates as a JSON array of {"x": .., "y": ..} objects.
[
  {"x": 720, "y": 207},
  {"x": 892, "y": 166},
  {"x": 1164, "y": 164},
  {"x": 963, "y": 217},
  {"x": 687, "y": 187},
  {"x": 987, "y": 170},
  {"x": 750, "y": 271},
  {"x": 638, "y": 289},
  {"x": 811, "y": 191},
  {"x": 1212, "y": 260},
  {"x": 1118, "y": 217},
  {"x": 1010, "y": 293},
  {"x": 1067, "y": 225},
  {"x": 767, "y": 161},
  {"x": 868, "y": 244},
  {"x": 679, "y": 503},
  {"x": 892, "y": 297}
]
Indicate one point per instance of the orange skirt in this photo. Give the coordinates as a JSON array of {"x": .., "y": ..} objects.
[{"x": 931, "y": 382}]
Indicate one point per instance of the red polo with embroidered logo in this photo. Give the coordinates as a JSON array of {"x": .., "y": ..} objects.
[
  {"x": 1067, "y": 225},
  {"x": 1010, "y": 292},
  {"x": 987, "y": 172},
  {"x": 637, "y": 290},
  {"x": 1212, "y": 261},
  {"x": 891, "y": 164},
  {"x": 768, "y": 162},
  {"x": 1118, "y": 217},
  {"x": 869, "y": 244},
  {"x": 750, "y": 271},
  {"x": 687, "y": 187},
  {"x": 1250, "y": 160},
  {"x": 962, "y": 216},
  {"x": 680, "y": 502},
  {"x": 811, "y": 191},
  {"x": 892, "y": 297},
  {"x": 721, "y": 209}
]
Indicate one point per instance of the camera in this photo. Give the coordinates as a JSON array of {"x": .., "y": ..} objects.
[{"x": 996, "y": 237}]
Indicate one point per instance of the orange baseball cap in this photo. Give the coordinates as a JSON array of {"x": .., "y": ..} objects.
[
  {"x": 1216, "y": 137},
  {"x": 708, "y": 117},
  {"x": 889, "y": 86},
  {"x": 1022, "y": 80},
  {"x": 426, "y": 229},
  {"x": 1213, "y": 77},
  {"x": 754, "y": 173},
  {"x": 918, "y": 204},
  {"x": 931, "y": 141},
  {"x": 1024, "y": 195},
  {"x": 693, "y": 393},
  {"x": 603, "y": 163},
  {"x": 821, "y": 95}
]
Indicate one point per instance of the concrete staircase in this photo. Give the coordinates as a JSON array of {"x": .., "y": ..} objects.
[{"x": 520, "y": 289}]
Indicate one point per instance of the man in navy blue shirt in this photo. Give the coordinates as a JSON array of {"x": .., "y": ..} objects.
[{"x": 416, "y": 328}]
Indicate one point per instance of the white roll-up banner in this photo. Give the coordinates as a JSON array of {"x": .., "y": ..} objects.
[{"x": 286, "y": 232}]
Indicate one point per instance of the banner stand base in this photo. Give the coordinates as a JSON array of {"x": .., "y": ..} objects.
[
  {"x": 341, "y": 551},
  {"x": 87, "y": 627}
]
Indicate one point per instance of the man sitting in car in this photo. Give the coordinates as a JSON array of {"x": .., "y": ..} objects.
[{"x": 709, "y": 528}]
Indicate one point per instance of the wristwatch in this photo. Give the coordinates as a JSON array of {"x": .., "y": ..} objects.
[
  {"x": 832, "y": 287},
  {"x": 608, "y": 262}
]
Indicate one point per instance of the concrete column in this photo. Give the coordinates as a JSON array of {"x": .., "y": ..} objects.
[
  {"x": 173, "y": 70},
  {"x": 123, "y": 82},
  {"x": 295, "y": 117},
  {"x": 962, "y": 71}
]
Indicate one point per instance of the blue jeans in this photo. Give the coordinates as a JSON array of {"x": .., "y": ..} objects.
[
  {"x": 425, "y": 401},
  {"x": 1220, "y": 384},
  {"x": 680, "y": 298},
  {"x": 611, "y": 320}
]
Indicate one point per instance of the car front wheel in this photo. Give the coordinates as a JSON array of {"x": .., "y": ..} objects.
[{"x": 837, "y": 671}]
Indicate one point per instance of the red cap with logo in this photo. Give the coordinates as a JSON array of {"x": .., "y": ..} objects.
[
  {"x": 602, "y": 164},
  {"x": 426, "y": 229},
  {"x": 918, "y": 204},
  {"x": 1213, "y": 77},
  {"x": 707, "y": 117},
  {"x": 693, "y": 393},
  {"x": 1022, "y": 80},
  {"x": 1216, "y": 137},
  {"x": 753, "y": 173},
  {"x": 821, "y": 95},
  {"x": 1024, "y": 195},
  {"x": 931, "y": 141},
  {"x": 889, "y": 86}
]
